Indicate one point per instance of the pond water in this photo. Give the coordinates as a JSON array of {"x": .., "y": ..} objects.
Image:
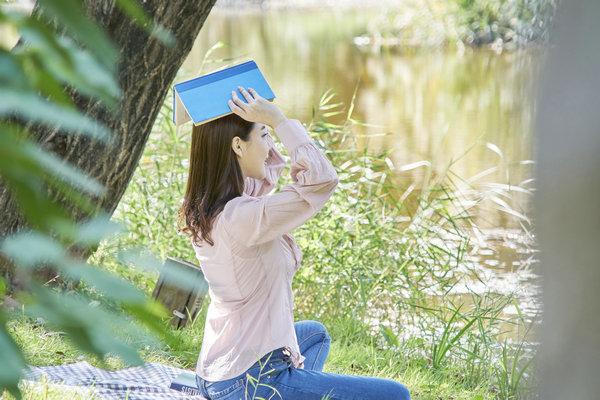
[{"x": 424, "y": 105}]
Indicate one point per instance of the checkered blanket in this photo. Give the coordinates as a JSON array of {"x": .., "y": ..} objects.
[{"x": 149, "y": 381}]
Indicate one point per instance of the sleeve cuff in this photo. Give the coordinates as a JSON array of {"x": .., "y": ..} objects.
[{"x": 292, "y": 134}]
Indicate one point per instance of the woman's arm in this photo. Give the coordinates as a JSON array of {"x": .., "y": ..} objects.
[{"x": 256, "y": 220}]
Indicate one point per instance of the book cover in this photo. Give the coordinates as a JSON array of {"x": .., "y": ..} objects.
[
  {"x": 205, "y": 98},
  {"x": 186, "y": 383}
]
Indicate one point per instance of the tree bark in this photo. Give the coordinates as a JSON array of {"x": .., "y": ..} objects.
[{"x": 146, "y": 70}]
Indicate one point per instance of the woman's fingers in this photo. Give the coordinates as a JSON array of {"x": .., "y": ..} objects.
[
  {"x": 238, "y": 102},
  {"x": 246, "y": 95},
  {"x": 255, "y": 108},
  {"x": 254, "y": 93},
  {"x": 235, "y": 108}
]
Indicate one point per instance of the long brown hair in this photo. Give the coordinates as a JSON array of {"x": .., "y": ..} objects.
[{"x": 215, "y": 176}]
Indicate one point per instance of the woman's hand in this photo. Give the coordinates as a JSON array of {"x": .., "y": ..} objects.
[{"x": 256, "y": 108}]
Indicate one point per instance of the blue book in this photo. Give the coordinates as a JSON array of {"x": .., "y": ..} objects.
[
  {"x": 205, "y": 98},
  {"x": 186, "y": 383}
]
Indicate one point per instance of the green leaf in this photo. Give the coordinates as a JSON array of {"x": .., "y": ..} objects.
[
  {"x": 61, "y": 170},
  {"x": 113, "y": 287},
  {"x": 62, "y": 59},
  {"x": 99, "y": 81},
  {"x": 36, "y": 109},
  {"x": 173, "y": 274},
  {"x": 36, "y": 35},
  {"x": 30, "y": 249},
  {"x": 164, "y": 35},
  {"x": 76, "y": 198},
  {"x": 71, "y": 15},
  {"x": 49, "y": 87},
  {"x": 23, "y": 174},
  {"x": 92, "y": 329},
  {"x": 11, "y": 74},
  {"x": 106, "y": 342},
  {"x": 12, "y": 363},
  {"x": 93, "y": 231},
  {"x": 135, "y": 11},
  {"x": 140, "y": 261},
  {"x": 152, "y": 314}
]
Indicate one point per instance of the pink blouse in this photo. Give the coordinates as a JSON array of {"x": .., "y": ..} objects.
[{"x": 254, "y": 258}]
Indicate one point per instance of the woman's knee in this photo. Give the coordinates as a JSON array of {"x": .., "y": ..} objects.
[
  {"x": 310, "y": 328},
  {"x": 398, "y": 391},
  {"x": 403, "y": 393}
]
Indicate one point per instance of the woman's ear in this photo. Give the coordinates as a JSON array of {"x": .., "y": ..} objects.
[{"x": 236, "y": 145}]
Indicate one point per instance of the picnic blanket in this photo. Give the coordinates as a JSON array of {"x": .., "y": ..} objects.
[{"x": 149, "y": 381}]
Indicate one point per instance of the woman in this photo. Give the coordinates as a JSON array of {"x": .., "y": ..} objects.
[{"x": 252, "y": 347}]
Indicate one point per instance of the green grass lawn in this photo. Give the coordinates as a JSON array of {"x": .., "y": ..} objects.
[{"x": 347, "y": 356}]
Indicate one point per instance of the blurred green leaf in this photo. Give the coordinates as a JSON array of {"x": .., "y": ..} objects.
[
  {"x": 141, "y": 261},
  {"x": 11, "y": 74},
  {"x": 98, "y": 228},
  {"x": 164, "y": 35},
  {"x": 113, "y": 287},
  {"x": 35, "y": 34},
  {"x": 92, "y": 78},
  {"x": 87, "y": 326},
  {"x": 32, "y": 249},
  {"x": 72, "y": 16},
  {"x": 12, "y": 363},
  {"x": 135, "y": 11},
  {"x": 29, "y": 249},
  {"x": 173, "y": 274},
  {"x": 36, "y": 109},
  {"x": 49, "y": 87},
  {"x": 180, "y": 276},
  {"x": 60, "y": 169},
  {"x": 152, "y": 314},
  {"x": 76, "y": 198},
  {"x": 23, "y": 173},
  {"x": 64, "y": 61}
]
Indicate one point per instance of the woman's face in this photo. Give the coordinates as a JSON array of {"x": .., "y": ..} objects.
[{"x": 252, "y": 155}]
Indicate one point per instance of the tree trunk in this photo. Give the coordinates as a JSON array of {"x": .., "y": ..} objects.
[{"x": 146, "y": 70}]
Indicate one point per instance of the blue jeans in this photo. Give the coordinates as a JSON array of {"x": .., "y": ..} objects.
[{"x": 274, "y": 378}]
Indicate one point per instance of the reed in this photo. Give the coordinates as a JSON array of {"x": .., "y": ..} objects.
[{"x": 389, "y": 253}]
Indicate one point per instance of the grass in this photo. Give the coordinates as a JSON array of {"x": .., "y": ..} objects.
[
  {"x": 347, "y": 356},
  {"x": 380, "y": 264}
]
